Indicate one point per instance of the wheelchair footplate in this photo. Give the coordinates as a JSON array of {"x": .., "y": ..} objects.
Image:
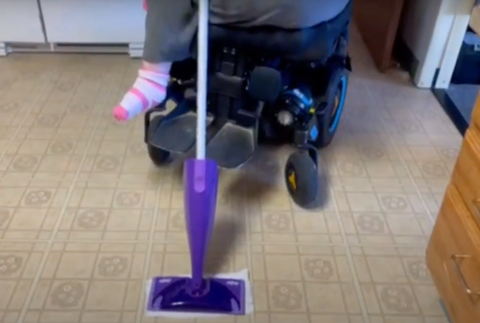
[
  {"x": 232, "y": 145},
  {"x": 229, "y": 144},
  {"x": 176, "y": 132}
]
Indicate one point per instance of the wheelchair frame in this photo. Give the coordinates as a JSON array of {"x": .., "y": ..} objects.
[{"x": 231, "y": 124}]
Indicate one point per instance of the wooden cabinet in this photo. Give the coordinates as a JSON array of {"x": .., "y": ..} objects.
[
  {"x": 377, "y": 22},
  {"x": 453, "y": 253}
]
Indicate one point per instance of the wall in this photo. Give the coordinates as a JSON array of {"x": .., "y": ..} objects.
[
  {"x": 418, "y": 24},
  {"x": 433, "y": 31},
  {"x": 20, "y": 21},
  {"x": 72, "y": 26},
  {"x": 424, "y": 30}
]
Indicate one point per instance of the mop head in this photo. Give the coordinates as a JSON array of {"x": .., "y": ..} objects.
[{"x": 224, "y": 294}]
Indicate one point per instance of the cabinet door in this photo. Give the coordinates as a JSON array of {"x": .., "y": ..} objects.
[
  {"x": 476, "y": 111},
  {"x": 466, "y": 175},
  {"x": 94, "y": 21},
  {"x": 20, "y": 22}
]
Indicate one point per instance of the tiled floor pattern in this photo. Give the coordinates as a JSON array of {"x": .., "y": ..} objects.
[{"x": 85, "y": 219}]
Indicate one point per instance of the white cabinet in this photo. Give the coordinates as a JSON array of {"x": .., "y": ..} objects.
[
  {"x": 93, "y": 21},
  {"x": 20, "y": 22}
]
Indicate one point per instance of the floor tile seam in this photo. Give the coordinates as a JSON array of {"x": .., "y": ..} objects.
[
  {"x": 351, "y": 264},
  {"x": 11, "y": 141},
  {"x": 148, "y": 258},
  {"x": 404, "y": 163},
  {"x": 51, "y": 241},
  {"x": 184, "y": 242}
]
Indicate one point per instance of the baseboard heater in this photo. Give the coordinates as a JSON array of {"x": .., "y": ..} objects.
[{"x": 134, "y": 50}]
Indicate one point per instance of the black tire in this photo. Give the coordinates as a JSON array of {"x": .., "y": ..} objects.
[
  {"x": 301, "y": 179},
  {"x": 331, "y": 108},
  {"x": 158, "y": 156}
]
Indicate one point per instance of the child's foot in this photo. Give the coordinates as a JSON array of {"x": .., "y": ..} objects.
[{"x": 148, "y": 91}]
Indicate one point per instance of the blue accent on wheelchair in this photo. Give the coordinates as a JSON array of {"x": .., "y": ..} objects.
[
  {"x": 341, "y": 104},
  {"x": 314, "y": 133}
]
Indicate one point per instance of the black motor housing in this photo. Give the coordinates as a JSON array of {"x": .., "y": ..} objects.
[{"x": 296, "y": 104}]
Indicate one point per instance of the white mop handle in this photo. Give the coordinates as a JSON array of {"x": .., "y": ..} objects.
[{"x": 202, "y": 71}]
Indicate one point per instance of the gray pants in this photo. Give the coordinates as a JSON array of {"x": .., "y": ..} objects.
[{"x": 171, "y": 24}]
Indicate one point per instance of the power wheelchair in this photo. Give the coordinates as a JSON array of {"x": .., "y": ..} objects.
[{"x": 264, "y": 84}]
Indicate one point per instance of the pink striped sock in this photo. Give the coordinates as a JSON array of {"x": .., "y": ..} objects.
[{"x": 147, "y": 92}]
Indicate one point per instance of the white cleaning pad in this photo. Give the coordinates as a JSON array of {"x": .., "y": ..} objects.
[{"x": 241, "y": 275}]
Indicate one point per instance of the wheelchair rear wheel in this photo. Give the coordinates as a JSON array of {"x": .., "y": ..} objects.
[
  {"x": 330, "y": 109},
  {"x": 301, "y": 178}
]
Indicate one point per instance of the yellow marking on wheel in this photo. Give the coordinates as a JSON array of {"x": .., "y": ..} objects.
[{"x": 292, "y": 180}]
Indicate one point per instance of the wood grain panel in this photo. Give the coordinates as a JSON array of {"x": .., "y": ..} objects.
[
  {"x": 466, "y": 176},
  {"x": 453, "y": 258},
  {"x": 476, "y": 114}
]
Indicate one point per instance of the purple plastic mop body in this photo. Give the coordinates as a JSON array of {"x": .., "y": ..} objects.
[{"x": 197, "y": 293}]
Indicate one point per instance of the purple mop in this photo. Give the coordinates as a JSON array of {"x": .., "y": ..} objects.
[{"x": 198, "y": 294}]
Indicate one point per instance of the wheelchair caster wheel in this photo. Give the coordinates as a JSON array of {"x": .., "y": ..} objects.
[
  {"x": 301, "y": 179},
  {"x": 331, "y": 108},
  {"x": 158, "y": 156}
]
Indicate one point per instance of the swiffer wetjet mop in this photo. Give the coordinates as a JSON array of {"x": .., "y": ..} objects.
[{"x": 199, "y": 294}]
